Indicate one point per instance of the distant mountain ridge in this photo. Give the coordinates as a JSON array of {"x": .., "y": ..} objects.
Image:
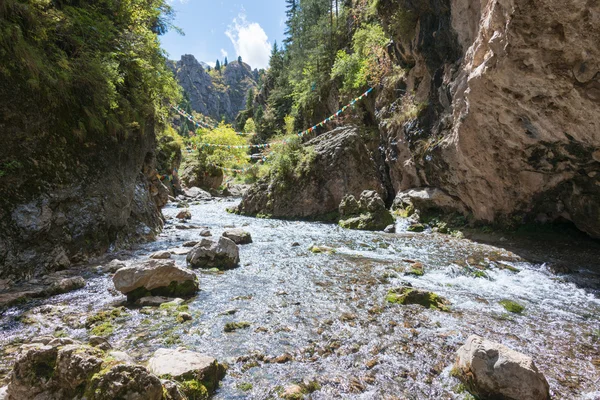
[{"x": 217, "y": 94}]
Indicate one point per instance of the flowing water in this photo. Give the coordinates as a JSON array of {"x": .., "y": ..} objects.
[{"x": 328, "y": 312}]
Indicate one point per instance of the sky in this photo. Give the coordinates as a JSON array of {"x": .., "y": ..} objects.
[{"x": 217, "y": 29}]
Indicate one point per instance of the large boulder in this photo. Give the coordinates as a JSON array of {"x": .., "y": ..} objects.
[
  {"x": 221, "y": 254},
  {"x": 328, "y": 167},
  {"x": 198, "y": 374},
  {"x": 156, "y": 278},
  {"x": 195, "y": 173},
  {"x": 368, "y": 213},
  {"x": 239, "y": 236},
  {"x": 493, "y": 371},
  {"x": 63, "y": 368}
]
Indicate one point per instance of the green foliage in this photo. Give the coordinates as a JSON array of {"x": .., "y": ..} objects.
[
  {"x": 249, "y": 126},
  {"x": 368, "y": 61},
  {"x": 290, "y": 159},
  {"x": 229, "y": 157},
  {"x": 97, "y": 67}
]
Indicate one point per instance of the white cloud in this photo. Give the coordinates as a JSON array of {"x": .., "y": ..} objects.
[
  {"x": 223, "y": 53},
  {"x": 250, "y": 41}
]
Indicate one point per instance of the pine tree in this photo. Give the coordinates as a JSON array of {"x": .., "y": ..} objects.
[
  {"x": 218, "y": 66},
  {"x": 250, "y": 99},
  {"x": 240, "y": 59},
  {"x": 225, "y": 62}
]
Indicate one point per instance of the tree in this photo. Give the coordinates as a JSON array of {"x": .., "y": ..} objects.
[
  {"x": 250, "y": 99},
  {"x": 218, "y": 66},
  {"x": 225, "y": 62},
  {"x": 240, "y": 59}
]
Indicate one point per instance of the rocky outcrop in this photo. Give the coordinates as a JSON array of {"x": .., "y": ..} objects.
[
  {"x": 238, "y": 236},
  {"x": 334, "y": 164},
  {"x": 368, "y": 213},
  {"x": 492, "y": 371},
  {"x": 47, "y": 225},
  {"x": 217, "y": 96},
  {"x": 156, "y": 278},
  {"x": 501, "y": 106},
  {"x": 222, "y": 254},
  {"x": 428, "y": 199},
  {"x": 67, "y": 369}
]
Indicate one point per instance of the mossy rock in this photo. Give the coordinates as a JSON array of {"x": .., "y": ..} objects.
[
  {"x": 234, "y": 326},
  {"x": 416, "y": 269},
  {"x": 416, "y": 228},
  {"x": 512, "y": 306},
  {"x": 407, "y": 295}
]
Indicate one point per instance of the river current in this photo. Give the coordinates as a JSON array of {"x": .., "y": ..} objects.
[{"x": 326, "y": 313}]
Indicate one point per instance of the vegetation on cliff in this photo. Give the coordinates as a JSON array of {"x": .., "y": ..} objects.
[{"x": 76, "y": 74}]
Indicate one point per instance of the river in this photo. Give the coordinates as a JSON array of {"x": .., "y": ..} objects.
[{"x": 328, "y": 312}]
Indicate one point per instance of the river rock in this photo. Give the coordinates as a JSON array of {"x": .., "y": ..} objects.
[
  {"x": 368, "y": 213},
  {"x": 184, "y": 366},
  {"x": 154, "y": 301},
  {"x": 221, "y": 254},
  {"x": 191, "y": 243},
  {"x": 155, "y": 277},
  {"x": 197, "y": 193},
  {"x": 113, "y": 266},
  {"x": 161, "y": 255},
  {"x": 205, "y": 233},
  {"x": 337, "y": 163},
  {"x": 492, "y": 370},
  {"x": 126, "y": 381},
  {"x": 197, "y": 174},
  {"x": 185, "y": 214},
  {"x": 64, "y": 368},
  {"x": 239, "y": 236},
  {"x": 407, "y": 295},
  {"x": 428, "y": 199}
]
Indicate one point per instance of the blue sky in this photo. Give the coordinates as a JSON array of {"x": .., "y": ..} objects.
[{"x": 217, "y": 28}]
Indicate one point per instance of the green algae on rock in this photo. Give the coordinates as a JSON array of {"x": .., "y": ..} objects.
[
  {"x": 512, "y": 306},
  {"x": 407, "y": 295},
  {"x": 234, "y": 326}
]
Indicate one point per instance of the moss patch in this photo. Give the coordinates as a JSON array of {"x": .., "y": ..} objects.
[
  {"x": 234, "y": 326},
  {"x": 194, "y": 390},
  {"x": 512, "y": 306}
]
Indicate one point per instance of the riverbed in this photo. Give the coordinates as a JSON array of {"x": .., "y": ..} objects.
[{"x": 323, "y": 315}]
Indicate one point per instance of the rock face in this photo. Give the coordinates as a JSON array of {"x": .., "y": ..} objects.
[
  {"x": 368, "y": 213},
  {"x": 67, "y": 369},
  {"x": 198, "y": 374},
  {"x": 338, "y": 163},
  {"x": 208, "y": 253},
  {"x": 508, "y": 98},
  {"x": 157, "y": 278},
  {"x": 105, "y": 200},
  {"x": 491, "y": 370},
  {"x": 221, "y": 95},
  {"x": 238, "y": 236}
]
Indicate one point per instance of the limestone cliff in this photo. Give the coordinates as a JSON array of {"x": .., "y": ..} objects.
[
  {"x": 508, "y": 100},
  {"x": 217, "y": 94}
]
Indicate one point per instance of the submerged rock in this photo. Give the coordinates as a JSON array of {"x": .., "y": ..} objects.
[
  {"x": 239, "y": 236},
  {"x": 368, "y": 213},
  {"x": 155, "y": 300},
  {"x": 198, "y": 374},
  {"x": 221, "y": 254},
  {"x": 492, "y": 370},
  {"x": 408, "y": 295},
  {"x": 157, "y": 278}
]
